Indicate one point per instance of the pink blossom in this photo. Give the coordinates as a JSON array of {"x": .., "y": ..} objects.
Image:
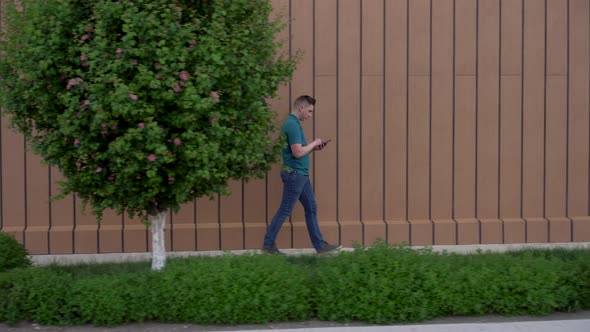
[
  {"x": 103, "y": 124},
  {"x": 84, "y": 37},
  {"x": 152, "y": 157},
  {"x": 85, "y": 103},
  {"x": 183, "y": 75},
  {"x": 141, "y": 125},
  {"x": 171, "y": 179},
  {"x": 114, "y": 127},
  {"x": 181, "y": 83},
  {"x": 132, "y": 96},
  {"x": 177, "y": 141},
  {"x": 76, "y": 142},
  {"x": 73, "y": 82},
  {"x": 193, "y": 43},
  {"x": 157, "y": 64},
  {"x": 267, "y": 100},
  {"x": 104, "y": 132},
  {"x": 157, "y": 76},
  {"x": 215, "y": 96},
  {"x": 119, "y": 51},
  {"x": 83, "y": 57},
  {"x": 111, "y": 177},
  {"x": 134, "y": 62},
  {"x": 98, "y": 169},
  {"x": 176, "y": 88}
]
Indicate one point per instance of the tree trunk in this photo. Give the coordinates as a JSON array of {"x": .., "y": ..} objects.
[{"x": 158, "y": 247}]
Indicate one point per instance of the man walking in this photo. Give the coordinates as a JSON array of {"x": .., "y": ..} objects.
[{"x": 295, "y": 177}]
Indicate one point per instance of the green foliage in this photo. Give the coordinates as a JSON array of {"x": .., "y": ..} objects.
[
  {"x": 378, "y": 285},
  {"x": 37, "y": 294},
  {"x": 233, "y": 290},
  {"x": 12, "y": 253},
  {"x": 384, "y": 285},
  {"x": 222, "y": 290},
  {"x": 144, "y": 105}
]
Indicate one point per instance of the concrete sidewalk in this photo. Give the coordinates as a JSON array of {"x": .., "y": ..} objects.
[
  {"x": 146, "y": 256},
  {"x": 581, "y": 325},
  {"x": 555, "y": 322}
]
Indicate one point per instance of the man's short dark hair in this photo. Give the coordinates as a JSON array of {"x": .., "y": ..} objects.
[{"x": 304, "y": 100}]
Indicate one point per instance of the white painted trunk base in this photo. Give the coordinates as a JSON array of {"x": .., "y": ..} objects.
[{"x": 158, "y": 223}]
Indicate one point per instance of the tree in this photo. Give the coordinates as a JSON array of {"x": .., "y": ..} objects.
[{"x": 147, "y": 104}]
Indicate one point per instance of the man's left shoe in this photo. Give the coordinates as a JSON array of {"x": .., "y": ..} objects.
[{"x": 329, "y": 249}]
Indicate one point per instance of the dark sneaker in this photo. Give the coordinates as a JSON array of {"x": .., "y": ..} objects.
[
  {"x": 272, "y": 250},
  {"x": 329, "y": 249}
]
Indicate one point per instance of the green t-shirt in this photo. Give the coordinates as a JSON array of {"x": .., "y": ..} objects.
[{"x": 294, "y": 133}]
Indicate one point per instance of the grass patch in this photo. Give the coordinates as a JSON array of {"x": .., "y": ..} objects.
[{"x": 377, "y": 285}]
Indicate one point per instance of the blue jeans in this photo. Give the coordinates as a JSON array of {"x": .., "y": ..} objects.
[{"x": 296, "y": 187}]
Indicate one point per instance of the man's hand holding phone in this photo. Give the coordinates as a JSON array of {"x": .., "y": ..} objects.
[{"x": 322, "y": 145}]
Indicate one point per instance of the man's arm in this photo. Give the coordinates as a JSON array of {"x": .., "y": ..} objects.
[{"x": 299, "y": 151}]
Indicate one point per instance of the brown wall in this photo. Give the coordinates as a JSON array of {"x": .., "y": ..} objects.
[{"x": 453, "y": 122}]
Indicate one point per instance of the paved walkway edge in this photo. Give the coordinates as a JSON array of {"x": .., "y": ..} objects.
[
  {"x": 144, "y": 256},
  {"x": 580, "y": 325}
]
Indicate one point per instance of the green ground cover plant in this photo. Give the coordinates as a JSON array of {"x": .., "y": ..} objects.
[
  {"x": 380, "y": 285},
  {"x": 12, "y": 253}
]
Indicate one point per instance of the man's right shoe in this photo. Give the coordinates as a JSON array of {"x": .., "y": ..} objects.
[
  {"x": 272, "y": 250},
  {"x": 329, "y": 249}
]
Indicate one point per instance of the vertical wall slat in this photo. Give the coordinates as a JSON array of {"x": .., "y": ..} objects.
[
  {"x": 488, "y": 121},
  {"x": 418, "y": 117},
  {"x": 302, "y": 12},
  {"x": 396, "y": 47},
  {"x": 281, "y": 106},
  {"x": 208, "y": 228},
  {"x": 326, "y": 120},
  {"x": 231, "y": 226},
  {"x": 325, "y": 170},
  {"x": 61, "y": 235},
  {"x": 534, "y": 121},
  {"x": 13, "y": 182},
  {"x": 442, "y": 123},
  {"x": 579, "y": 106},
  {"x": 418, "y": 121},
  {"x": 274, "y": 186},
  {"x": 184, "y": 230},
  {"x": 510, "y": 108},
  {"x": 372, "y": 121},
  {"x": 36, "y": 234},
  {"x": 110, "y": 235},
  {"x": 349, "y": 45},
  {"x": 465, "y": 122},
  {"x": 255, "y": 213}
]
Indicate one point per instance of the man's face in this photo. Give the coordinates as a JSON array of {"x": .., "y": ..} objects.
[{"x": 305, "y": 112}]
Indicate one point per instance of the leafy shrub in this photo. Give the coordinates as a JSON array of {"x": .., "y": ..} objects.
[
  {"x": 12, "y": 253},
  {"x": 230, "y": 290},
  {"x": 108, "y": 300},
  {"x": 35, "y": 293},
  {"x": 246, "y": 289},
  {"x": 384, "y": 285},
  {"x": 377, "y": 285}
]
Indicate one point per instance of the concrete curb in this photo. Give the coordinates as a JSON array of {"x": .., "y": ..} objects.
[{"x": 145, "y": 256}]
